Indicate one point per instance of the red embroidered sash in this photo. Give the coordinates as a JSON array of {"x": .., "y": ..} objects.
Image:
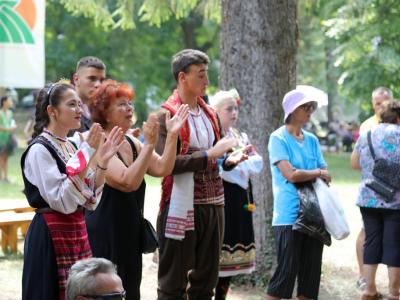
[
  {"x": 172, "y": 104},
  {"x": 70, "y": 242}
]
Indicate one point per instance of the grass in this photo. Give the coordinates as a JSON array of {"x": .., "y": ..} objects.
[
  {"x": 14, "y": 189},
  {"x": 340, "y": 169}
]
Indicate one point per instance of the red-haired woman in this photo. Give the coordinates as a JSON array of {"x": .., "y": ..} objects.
[{"x": 114, "y": 228}]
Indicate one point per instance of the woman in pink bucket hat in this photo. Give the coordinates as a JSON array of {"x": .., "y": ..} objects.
[{"x": 295, "y": 156}]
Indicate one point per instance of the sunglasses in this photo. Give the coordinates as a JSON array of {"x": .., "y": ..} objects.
[
  {"x": 309, "y": 107},
  {"x": 111, "y": 296}
]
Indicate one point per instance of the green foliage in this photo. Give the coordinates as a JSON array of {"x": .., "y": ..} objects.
[
  {"x": 111, "y": 14},
  {"x": 311, "y": 55},
  {"x": 349, "y": 48},
  {"x": 368, "y": 51},
  {"x": 156, "y": 12},
  {"x": 95, "y": 9},
  {"x": 140, "y": 57}
]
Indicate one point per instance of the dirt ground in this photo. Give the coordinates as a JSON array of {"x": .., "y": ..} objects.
[{"x": 339, "y": 272}]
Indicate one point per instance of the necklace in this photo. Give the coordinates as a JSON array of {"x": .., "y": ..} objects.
[
  {"x": 54, "y": 136},
  {"x": 195, "y": 113},
  {"x": 64, "y": 149}
]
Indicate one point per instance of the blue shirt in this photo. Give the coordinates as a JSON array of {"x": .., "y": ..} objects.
[{"x": 305, "y": 155}]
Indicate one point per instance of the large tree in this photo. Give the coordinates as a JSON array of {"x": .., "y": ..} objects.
[{"x": 258, "y": 57}]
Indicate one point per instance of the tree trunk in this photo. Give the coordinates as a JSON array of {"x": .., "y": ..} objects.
[
  {"x": 331, "y": 79},
  {"x": 189, "y": 27},
  {"x": 258, "y": 58}
]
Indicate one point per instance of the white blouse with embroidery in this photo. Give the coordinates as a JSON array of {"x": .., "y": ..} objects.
[{"x": 64, "y": 193}]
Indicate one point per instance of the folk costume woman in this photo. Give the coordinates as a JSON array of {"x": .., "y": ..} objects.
[
  {"x": 115, "y": 227},
  {"x": 238, "y": 248},
  {"x": 59, "y": 181}
]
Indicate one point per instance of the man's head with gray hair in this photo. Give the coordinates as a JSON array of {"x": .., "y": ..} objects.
[
  {"x": 379, "y": 96},
  {"x": 94, "y": 278}
]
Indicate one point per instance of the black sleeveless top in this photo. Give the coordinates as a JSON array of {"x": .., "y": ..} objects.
[
  {"x": 31, "y": 191},
  {"x": 114, "y": 226}
]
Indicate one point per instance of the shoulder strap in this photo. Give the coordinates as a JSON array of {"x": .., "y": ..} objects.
[
  {"x": 370, "y": 144},
  {"x": 134, "y": 150}
]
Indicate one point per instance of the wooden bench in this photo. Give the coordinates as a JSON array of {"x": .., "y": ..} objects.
[
  {"x": 15, "y": 205},
  {"x": 10, "y": 221}
]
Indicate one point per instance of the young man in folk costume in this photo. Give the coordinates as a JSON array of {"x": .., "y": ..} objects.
[{"x": 191, "y": 219}]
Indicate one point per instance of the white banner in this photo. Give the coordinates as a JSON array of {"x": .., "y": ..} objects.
[{"x": 22, "y": 61}]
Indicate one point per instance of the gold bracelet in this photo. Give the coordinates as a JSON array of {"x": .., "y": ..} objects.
[{"x": 100, "y": 167}]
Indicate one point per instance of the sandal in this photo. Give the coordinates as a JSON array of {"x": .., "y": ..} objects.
[
  {"x": 377, "y": 296},
  {"x": 361, "y": 284}
]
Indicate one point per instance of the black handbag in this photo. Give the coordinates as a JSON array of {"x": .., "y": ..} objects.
[
  {"x": 149, "y": 239},
  {"x": 310, "y": 220},
  {"x": 386, "y": 175}
]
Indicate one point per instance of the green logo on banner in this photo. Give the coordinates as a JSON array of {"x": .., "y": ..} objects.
[{"x": 13, "y": 28}]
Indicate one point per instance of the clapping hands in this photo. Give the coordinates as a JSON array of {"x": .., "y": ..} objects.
[
  {"x": 175, "y": 123},
  {"x": 221, "y": 147},
  {"x": 150, "y": 130},
  {"x": 238, "y": 156},
  {"x": 96, "y": 134},
  {"x": 109, "y": 147}
]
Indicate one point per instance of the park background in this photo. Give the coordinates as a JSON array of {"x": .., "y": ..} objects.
[{"x": 263, "y": 48}]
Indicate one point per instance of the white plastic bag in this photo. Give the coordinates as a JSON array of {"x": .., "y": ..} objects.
[{"x": 332, "y": 210}]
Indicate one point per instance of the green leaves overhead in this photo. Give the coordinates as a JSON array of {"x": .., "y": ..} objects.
[
  {"x": 111, "y": 14},
  {"x": 368, "y": 52},
  {"x": 361, "y": 42},
  {"x": 141, "y": 57},
  {"x": 95, "y": 9}
]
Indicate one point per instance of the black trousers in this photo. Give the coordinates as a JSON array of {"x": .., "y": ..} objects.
[
  {"x": 299, "y": 256},
  {"x": 191, "y": 266},
  {"x": 382, "y": 236}
]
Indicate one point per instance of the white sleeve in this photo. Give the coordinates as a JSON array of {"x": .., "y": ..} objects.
[
  {"x": 91, "y": 183},
  {"x": 254, "y": 163},
  {"x": 61, "y": 192}
]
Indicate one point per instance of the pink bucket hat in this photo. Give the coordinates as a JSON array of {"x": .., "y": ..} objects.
[{"x": 301, "y": 95}]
